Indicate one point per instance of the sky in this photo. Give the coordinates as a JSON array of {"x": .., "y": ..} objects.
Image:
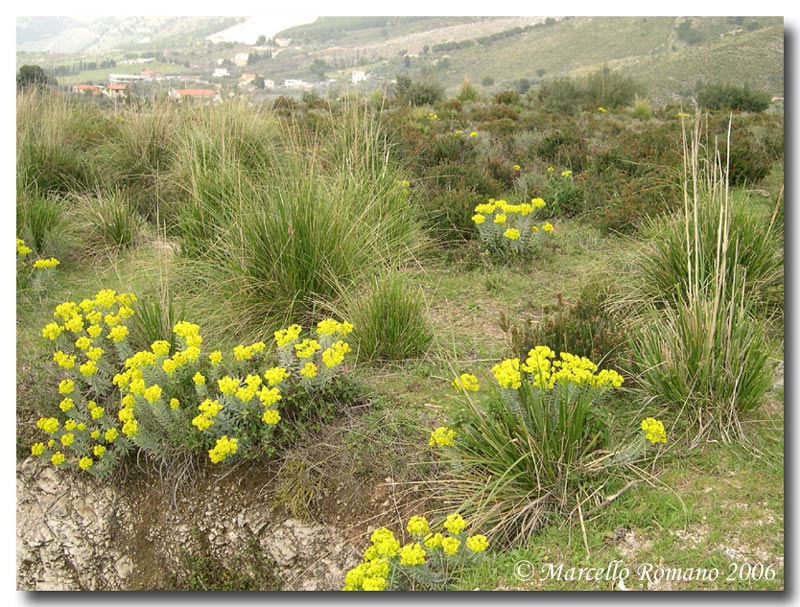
[{"x": 248, "y": 31}]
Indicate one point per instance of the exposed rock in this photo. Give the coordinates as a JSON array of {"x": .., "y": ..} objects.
[
  {"x": 78, "y": 533},
  {"x": 66, "y": 531},
  {"x": 777, "y": 383},
  {"x": 311, "y": 557}
]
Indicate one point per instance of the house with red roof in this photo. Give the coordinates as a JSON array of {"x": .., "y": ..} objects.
[
  {"x": 116, "y": 91},
  {"x": 207, "y": 95},
  {"x": 86, "y": 89}
]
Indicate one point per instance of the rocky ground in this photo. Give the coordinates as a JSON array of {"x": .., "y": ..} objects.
[{"x": 76, "y": 533}]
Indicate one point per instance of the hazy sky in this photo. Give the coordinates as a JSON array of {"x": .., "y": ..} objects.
[{"x": 248, "y": 31}]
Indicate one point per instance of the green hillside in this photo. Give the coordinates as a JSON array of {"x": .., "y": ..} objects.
[
  {"x": 668, "y": 55},
  {"x": 647, "y": 48}
]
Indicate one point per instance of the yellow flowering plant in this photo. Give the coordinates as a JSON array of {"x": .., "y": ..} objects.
[
  {"x": 430, "y": 560},
  {"x": 37, "y": 275},
  {"x": 227, "y": 405},
  {"x": 171, "y": 402},
  {"x": 86, "y": 353},
  {"x": 510, "y": 229},
  {"x": 528, "y": 440}
]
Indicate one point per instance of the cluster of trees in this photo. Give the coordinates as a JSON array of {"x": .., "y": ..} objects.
[
  {"x": 33, "y": 76},
  {"x": 81, "y": 66},
  {"x": 687, "y": 34}
]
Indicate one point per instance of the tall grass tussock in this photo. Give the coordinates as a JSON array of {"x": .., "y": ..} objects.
[{"x": 700, "y": 347}]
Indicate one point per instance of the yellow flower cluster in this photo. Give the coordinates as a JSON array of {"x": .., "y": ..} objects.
[
  {"x": 334, "y": 355},
  {"x": 507, "y": 374},
  {"x": 225, "y": 446},
  {"x": 87, "y": 431},
  {"x": 75, "y": 435},
  {"x": 314, "y": 358},
  {"x": 286, "y": 336},
  {"x": 654, "y": 430},
  {"x": 307, "y": 348},
  {"x": 385, "y": 555},
  {"x": 412, "y": 555},
  {"x": 510, "y": 225},
  {"x": 466, "y": 382},
  {"x": 544, "y": 372},
  {"x": 152, "y": 383},
  {"x": 418, "y": 525},
  {"x": 85, "y": 320},
  {"x": 442, "y": 437},
  {"x": 241, "y": 352},
  {"x": 22, "y": 248},
  {"x": 46, "y": 264},
  {"x": 209, "y": 409},
  {"x": 275, "y": 375}
]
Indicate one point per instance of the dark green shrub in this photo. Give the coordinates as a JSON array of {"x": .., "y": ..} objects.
[
  {"x": 501, "y": 126},
  {"x": 609, "y": 89},
  {"x": 626, "y": 202},
  {"x": 448, "y": 148},
  {"x": 561, "y": 95},
  {"x": 508, "y": 97},
  {"x": 750, "y": 161},
  {"x": 603, "y": 88},
  {"x": 564, "y": 149},
  {"x": 585, "y": 328},
  {"x": 501, "y": 170},
  {"x": 452, "y": 176},
  {"x": 496, "y": 111},
  {"x": 447, "y": 214},
  {"x": 284, "y": 105},
  {"x": 719, "y": 96},
  {"x": 408, "y": 92}
]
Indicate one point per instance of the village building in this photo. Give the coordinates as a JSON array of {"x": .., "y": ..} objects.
[{"x": 207, "y": 95}]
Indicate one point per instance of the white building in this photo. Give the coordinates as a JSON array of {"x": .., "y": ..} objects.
[
  {"x": 297, "y": 84},
  {"x": 358, "y": 76},
  {"x": 125, "y": 78},
  {"x": 240, "y": 59},
  {"x": 137, "y": 60},
  {"x": 221, "y": 72}
]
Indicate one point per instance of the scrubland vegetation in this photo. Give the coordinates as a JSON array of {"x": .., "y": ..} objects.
[{"x": 556, "y": 315}]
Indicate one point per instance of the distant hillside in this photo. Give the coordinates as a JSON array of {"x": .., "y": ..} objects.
[
  {"x": 667, "y": 55},
  {"x": 103, "y": 34},
  {"x": 648, "y": 48}
]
